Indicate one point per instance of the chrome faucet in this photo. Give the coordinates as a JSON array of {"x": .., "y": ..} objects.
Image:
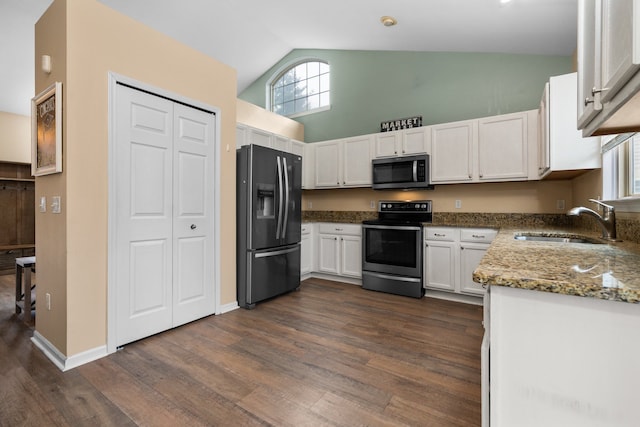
[{"x": 607, "y": 221}]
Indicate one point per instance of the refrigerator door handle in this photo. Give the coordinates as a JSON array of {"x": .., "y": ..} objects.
[
  {"x": 286, "y": 202},
  {"x": 276, "y": 253},
  {"x": 279, "y": 224}
]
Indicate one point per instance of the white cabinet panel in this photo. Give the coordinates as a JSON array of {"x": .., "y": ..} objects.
[
  {"x": 440, "y": 261},
  {"x": 356, "y": 170},
  {"x": 260, "y": 137},
  {"x": 281, "y": 143},
  {"x": 343, "y": 163},
  {"x": 452, "y": 151},
  {"x": 340, "y": 249},
  {"x": 564, "y": 145},
  {"x": 387, "y": 143},
  {"x": 502, "y": 147},
  {"x": 351, "y": 251},
  {"x": 416, "y": 140},
  {"x": 608, "y": 66},
  {"x": 451, "y": 256},
  {"x": 327, "y": 164},
  {"x": 470, "y": 256},
  {"x": 306, "y": 250},
  {"x": 328, "y": 253}
]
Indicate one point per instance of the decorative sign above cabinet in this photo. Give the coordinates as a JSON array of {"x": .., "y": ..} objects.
[{"x": 397, "y": 124}]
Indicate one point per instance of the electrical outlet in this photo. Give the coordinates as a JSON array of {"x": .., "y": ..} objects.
[
  {"x": 560, "y": 205},
  {"x": 458, "y": 204},
  {"x": 47, "y": 299},
  {"x": 310, "y": 204}
]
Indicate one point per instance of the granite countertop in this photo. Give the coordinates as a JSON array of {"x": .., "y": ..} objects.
[{"x": 606, "y": 271}]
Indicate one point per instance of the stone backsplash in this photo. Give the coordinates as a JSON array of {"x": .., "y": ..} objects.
[{"x": 627, "y": 229}]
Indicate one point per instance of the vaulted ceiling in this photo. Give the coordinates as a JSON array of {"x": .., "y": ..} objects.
[{"x": 252, "y": 35}]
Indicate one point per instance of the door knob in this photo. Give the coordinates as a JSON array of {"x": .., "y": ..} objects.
[{"x": 193, "y": 226}]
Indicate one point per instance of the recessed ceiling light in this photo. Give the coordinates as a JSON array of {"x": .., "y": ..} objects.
[
  {"x": 388, "y": 21},
  {"x": 505, "y": 1}
]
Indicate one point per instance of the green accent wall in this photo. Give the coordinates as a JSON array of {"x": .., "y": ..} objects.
[{"x": 368, "y": 87}]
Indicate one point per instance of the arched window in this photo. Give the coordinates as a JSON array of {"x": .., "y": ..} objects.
[{"x": 301, "y": 88}]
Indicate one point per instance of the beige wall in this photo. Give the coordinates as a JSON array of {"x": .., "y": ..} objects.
[
  {"x": 51, "y": 230},
  {"x": 15, "y": 138},
  {"x": 516, "y": 197},
  {"x": 99, "y": 40},
  {"x": 257, "y": 117}
]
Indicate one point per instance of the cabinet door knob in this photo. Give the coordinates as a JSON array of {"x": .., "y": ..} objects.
[
  {"x": 595, "y": 90},
  {"x": 193, "y": 226}
]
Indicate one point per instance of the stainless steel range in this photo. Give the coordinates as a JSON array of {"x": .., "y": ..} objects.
[{"x": 392, "y": 247}]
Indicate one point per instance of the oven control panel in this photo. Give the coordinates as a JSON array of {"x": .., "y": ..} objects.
[{"x": 408, "y": 206}]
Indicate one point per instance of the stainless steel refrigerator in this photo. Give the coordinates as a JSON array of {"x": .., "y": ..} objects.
[{"x": 269, "y": 191}]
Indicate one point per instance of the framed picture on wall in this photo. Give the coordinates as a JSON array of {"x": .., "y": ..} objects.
[{"x": 46, "y": 131}]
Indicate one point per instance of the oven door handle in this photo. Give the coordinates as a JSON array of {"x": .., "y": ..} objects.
[
  {"x": 397, "y": 278},
  {"x": 393, "y": 227}
]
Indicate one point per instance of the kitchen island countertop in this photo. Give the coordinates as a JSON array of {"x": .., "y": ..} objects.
[{"x": 606, "y": 271}]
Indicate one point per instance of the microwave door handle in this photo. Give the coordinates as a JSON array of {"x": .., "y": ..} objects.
[
  {"x": 279, "y": 224},
  {"x": 415, "y": 171},
  {"x": 286, "y": 202}
]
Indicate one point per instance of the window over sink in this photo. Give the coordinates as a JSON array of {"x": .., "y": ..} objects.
[{"x": 621, "y": 171}]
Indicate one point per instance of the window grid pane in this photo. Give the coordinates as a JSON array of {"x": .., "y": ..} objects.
[
  {"x": 302, "y": 88},
  {"x": 635, "y": 166}
]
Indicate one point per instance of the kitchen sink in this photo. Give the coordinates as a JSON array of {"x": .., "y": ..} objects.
[{"x": 556, "y": 238}]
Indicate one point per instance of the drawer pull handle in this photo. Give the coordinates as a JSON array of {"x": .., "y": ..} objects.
[
  {"x": 439, "y": 235},
  {"x": 477, "y": 236}
]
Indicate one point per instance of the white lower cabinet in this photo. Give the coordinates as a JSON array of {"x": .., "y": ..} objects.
[
  {"x": 440, "y": 258},
  {"x": 340, "y": 249},
  {"x": 306, "y": 249},
  {"x": 470, "y": 256},
  {"x": 451, "y": 255}
]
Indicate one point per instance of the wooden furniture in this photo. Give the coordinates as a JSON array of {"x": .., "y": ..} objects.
[
  {"x": 17, "y": 214},
  {"x": 24, "y": 287}
]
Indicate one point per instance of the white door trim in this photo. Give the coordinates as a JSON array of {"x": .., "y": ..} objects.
[{"x": 114, "y": 79}]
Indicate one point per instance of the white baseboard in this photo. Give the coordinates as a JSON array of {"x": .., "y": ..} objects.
[
  {"x": 228, "y": 307},
  {"x": 60, "y": 360}
]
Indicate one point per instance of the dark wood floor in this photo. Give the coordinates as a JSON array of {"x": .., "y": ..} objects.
[{"x": 330, "y": 354}]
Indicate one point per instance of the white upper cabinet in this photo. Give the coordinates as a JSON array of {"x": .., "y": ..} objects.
[
  {"x": 608, "y": 66},
  {"x": 484, "y": 150},
  {"x": 402, "y": 142},
  {"x": 343, "y": 163},
  {"x": 356, "y": 170},
  {"x": 388, "y": 144},
  {"x": 589, "y": 32},
  {"x": 260, "y": 137},
  {"x": 502, "y": 147},
  {"x": 281, "y": 143},
  {"x": 241, "y": 135},
  {"x": 452, "y": 151},
  {"x": 327, "y": 164},
  {"x": 620, "y": 46},
  {"x": 567, "y": 152}
]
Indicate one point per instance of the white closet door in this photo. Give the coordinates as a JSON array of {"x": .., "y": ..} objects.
[
  {"x": 164, "y": 208},
  {"x": 144, "y": 151},
  {"x": 193, "y": 290}
]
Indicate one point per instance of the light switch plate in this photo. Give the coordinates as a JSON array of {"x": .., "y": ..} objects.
[
  {"x": 55, "y": 204},
  {"x": 43, "y": 204}
]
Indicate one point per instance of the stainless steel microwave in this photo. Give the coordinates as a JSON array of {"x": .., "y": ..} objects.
[{"x": 408, "y": 172}]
